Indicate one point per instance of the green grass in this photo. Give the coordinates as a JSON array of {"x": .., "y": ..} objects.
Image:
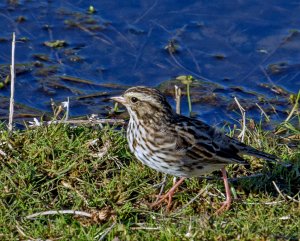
[{"x": 57, "y": 168}]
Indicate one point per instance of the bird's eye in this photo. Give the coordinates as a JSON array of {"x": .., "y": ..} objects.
[{"x": 134, "y": 99}]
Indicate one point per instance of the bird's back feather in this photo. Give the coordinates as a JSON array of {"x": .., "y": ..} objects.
[{"x": 207, "y": 141}]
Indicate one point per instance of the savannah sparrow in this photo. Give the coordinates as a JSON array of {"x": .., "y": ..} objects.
[{"x": 178, "y": 145}]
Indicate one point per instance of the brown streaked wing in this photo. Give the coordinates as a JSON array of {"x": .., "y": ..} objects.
[{"x": 204, "y": 143}]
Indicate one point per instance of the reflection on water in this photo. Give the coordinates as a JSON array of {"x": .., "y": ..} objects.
[{"x": 247, "y": 49}]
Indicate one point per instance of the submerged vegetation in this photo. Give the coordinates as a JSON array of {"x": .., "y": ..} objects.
[{"x": 60, "y": 167}]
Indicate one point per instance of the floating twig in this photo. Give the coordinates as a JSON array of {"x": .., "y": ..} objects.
[
  {"x": 78, "y": 80},
  {"x": 88, "y": 82}
]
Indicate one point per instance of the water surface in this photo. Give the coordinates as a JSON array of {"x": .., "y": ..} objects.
[{"x": 244, "y": 49}]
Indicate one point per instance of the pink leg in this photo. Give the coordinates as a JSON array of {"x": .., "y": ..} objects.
[
  {"x": 226, "y": 205},
  {"x": 168, "y": 195}
]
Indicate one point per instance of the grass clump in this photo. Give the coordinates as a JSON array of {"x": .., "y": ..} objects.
[{"x": 90, "y": 169}]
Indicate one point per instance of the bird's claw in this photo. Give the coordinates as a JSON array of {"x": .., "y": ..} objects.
[
  {"x": 164, "y": 198},
  {"x": 225, "y": 206}
]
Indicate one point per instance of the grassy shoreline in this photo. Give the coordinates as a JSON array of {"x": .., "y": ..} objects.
[{"x": 63, "y": 167}]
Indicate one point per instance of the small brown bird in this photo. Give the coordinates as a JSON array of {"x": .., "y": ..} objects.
[{"x": 178, "y": 145}]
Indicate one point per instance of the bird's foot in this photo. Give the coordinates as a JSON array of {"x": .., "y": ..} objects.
[
  {"x": 168, "y": 196},
  {"x": 225, "y": 206}
]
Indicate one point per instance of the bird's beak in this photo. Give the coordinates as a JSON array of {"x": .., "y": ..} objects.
[{"x": 119, "y": 99}]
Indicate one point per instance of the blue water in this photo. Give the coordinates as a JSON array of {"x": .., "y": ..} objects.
[{"x": 230, "y": 43}]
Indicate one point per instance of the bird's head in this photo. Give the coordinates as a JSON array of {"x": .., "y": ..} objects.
[{"x": 144, "y": 102}]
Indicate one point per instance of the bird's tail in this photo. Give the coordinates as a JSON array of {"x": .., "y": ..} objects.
[{"x": 260, "y": 154}]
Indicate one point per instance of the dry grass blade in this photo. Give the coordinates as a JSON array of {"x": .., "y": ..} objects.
[
  {"x": 243, "y": 112},
  {"x": 283, "y": 196},
  {"x": 263, "y": 112},
  {"x": 295, "y": 107},
  {"x": 2, "y": 153},
  {"x": 177, "y": 99},
  {"x": 193, "y": 199},
  {"x": 54, "y": 212},
  {"x": 107, "y": 231},
  {"x": 278, "y": 190},
  {"x": 79, "y": 122},
  {"x": 12, "y": 84}
]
